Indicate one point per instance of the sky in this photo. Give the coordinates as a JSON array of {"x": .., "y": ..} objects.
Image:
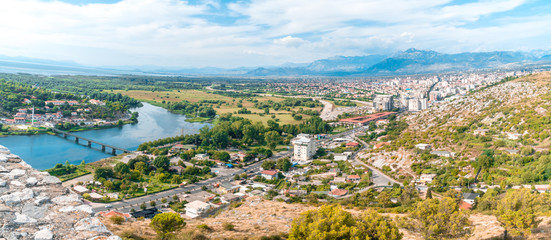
[{"x": 228, "y": 34}]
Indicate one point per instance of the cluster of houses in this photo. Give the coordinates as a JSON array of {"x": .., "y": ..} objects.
[{"x": 28, "y": 116}]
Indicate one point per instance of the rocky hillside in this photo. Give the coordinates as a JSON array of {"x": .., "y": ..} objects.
[
  {"x": 34, "y": 205},
  {"x": 509, "y": 123},
  {"x": 520, "y": 106}
]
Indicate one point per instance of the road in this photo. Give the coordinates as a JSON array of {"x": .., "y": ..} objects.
[
  {"x": 126, "y": 205},
  {"x": 377, "y": 177}
]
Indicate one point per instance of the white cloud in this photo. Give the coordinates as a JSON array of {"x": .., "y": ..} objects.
[
  {"x": 176, "y": 33},
  {"x": 290, "y": 41}
]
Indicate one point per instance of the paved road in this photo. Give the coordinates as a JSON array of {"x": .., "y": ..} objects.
[
  {"x": 377, "y": 177},
  {"x": 126, "y": 205}
]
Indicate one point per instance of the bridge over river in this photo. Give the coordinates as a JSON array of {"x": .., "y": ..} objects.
[{"x": 104, "y": 146}]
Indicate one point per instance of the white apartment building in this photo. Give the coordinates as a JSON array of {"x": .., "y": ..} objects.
[
  {"x": 383, "y": 103},
  {"x": 304, "y": 147},
  {"x": 417, "y": 104}
]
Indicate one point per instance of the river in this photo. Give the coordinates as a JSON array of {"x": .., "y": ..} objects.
[{"x": 44, "y": 151}]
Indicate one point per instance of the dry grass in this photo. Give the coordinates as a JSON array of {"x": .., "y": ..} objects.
[
  {"x": 542, "y": 78},
  {"x": 258, "y": 217},
  {"x": 230, "y": 106}
]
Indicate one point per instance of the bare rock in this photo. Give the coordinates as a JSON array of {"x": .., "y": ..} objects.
[
  {"x": 22, "y": 219},
  {"x": 44, "y": 234},
  {"x": 31, "y": 181},
  {"x": 91, "y": 224},
  {"x": 50, "y": 180},
  {"x": 34, "y": 205},
  {"x": 16, "y": 197},
  {"x": 67, "y": 200},
  {"x": 16, "y": 173}
]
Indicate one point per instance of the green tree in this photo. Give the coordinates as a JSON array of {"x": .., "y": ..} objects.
[
  {"x": 283, "y": 164},
  {"x": 268, "y": 164},
  {"x": 384, "y": 199},
  {"x": 161, "y": 162},
  {"x": 327, "y": 222},
  {"x": 167, "y": 223},
  {"x": 373, "y": 226},
  {"x": 439, "y": 219},
  {"x": 221, "y": 139},
  {"x": 516, "y": 212},
  {"x": 429, "y": 193},
  {"x": 121, "y": 168},
  {"x": 334, "y": 223},
  {"x": 103, "y": 172},
  {"x": 272, "y": 139}
]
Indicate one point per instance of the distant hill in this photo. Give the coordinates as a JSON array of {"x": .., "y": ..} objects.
[
  {"x": 335, "y": 66},
  {"x": 411, "y": 61}
]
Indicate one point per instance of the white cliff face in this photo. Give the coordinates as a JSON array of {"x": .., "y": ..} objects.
[{"x": 34, "y": 205}]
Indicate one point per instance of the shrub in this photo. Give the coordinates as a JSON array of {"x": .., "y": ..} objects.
[
  {"x": 117, "y": 219},
  {"x": 204, "y": 227},
  {"x": 229, "y": 227}
]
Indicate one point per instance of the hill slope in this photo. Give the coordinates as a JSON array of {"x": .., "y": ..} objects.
[{"x": 510, "y": 123}]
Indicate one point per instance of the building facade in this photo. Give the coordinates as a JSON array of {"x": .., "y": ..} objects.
[{"x": 304, "y": 147}]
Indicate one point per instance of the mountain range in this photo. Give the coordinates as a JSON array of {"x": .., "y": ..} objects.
[{"x": 411, "y": 61}]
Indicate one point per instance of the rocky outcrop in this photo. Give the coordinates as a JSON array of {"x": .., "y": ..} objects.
[{"x": 34, "y": 205}]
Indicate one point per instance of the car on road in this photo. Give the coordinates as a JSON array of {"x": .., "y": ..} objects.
[{"x": 108, "y": 206}]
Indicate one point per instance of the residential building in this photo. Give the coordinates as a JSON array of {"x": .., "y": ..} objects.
[
  {"x": 470, "y": 197},
  {"x": 443, "y": 153},
  {"x": 304, "y": 147},
  {"x": 353, "y": 178},
  {"x": 336, "y": 193},
  {"x": 197, "y": 209},
  {"x": 340, "y": 157},
  {"x": 383, "y": 103},
  {"x": 426, "y": 178},
  {"x": 480, "y": 132},
  {"x": 228, "y": 188},
  {"x": 269, "y": 174},
  {"x": 177, "y": 169},
  {"x": 201, "y": 156},
  {"x": 423, "y": 146}
]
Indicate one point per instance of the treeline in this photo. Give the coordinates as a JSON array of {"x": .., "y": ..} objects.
[
  {"x": 78, "y": 84},
  {"x": 242, "y": 132},
  {"x": 14, "y": 96},
  {"x": 191, "y": 109},
  {"x": 287, "y": 103}
]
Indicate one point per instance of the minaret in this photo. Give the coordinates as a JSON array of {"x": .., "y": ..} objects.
[{"x": 32, "y": 119}]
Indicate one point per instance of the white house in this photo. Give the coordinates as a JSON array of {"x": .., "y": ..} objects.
[
  {"x": 423, "y": 146},
  {"x": 202, "y": 156},
  {"x": 196, "y": 209},
  {"x": 304, "y": 147},
  {"x": 340, "y": 157},
  {"x": 427, "y": 178},
  {"x": 269, "y": 174},
  {"x": 443, "y": 153},
  {"x": 470, "y": 197}
]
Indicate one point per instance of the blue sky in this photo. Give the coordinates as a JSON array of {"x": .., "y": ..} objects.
[{"x": 200, "y": 33}]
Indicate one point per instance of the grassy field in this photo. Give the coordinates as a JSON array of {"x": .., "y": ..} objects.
[{"x": 231, "y": 105}]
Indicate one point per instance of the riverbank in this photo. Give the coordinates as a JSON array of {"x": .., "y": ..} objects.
[
  {"x": 188, "y": 118},
  {"x": 43, "y": 130},
  {"x": 44, "y": 150}
]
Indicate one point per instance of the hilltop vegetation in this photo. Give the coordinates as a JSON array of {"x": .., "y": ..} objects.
[{"x": 501, "y": 131}]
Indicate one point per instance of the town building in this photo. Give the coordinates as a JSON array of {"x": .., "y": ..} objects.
[
  {"x": 304, "y": 147},
  {"x": 269, "y": 174},
  {"x": 423, "y": 146},
  {"x": 197, "y": 209},
  {"x": 470, "y": 197},
  {"x": 383, "y": 103},
  {"x": 426, "y": 178}
]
